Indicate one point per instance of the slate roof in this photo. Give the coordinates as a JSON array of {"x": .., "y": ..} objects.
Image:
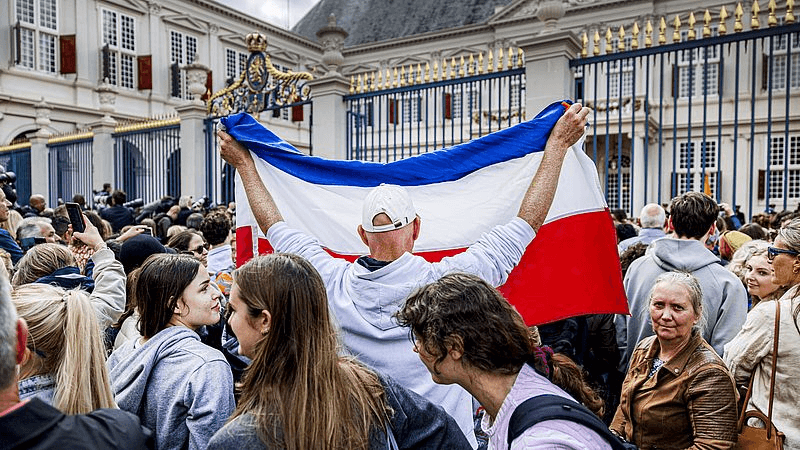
[{"x": 369, "y": 21}]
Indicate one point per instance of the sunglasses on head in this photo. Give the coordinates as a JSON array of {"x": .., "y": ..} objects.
[{"x": 772, "y": 252}]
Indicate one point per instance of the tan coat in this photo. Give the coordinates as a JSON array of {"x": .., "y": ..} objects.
[{"x": 689, "y": 403}]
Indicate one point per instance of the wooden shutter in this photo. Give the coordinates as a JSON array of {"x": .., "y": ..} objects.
[
  {"x": 144, "y": 72},
  {"x": 175, "y": 80},
  {"x": 762, "y": 184},
  {"x": 764, "y": 72},
  {"x": 392, "y": 111},
  {"x": 209, "y": 87},
  {"x": 448, "y": 106},
  {"x": 66, "y": 46},
  {"x": 675, "y": 80},
  {"x": 297, "y": 113}
]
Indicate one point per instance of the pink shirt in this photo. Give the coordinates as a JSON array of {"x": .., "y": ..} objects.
[{"x": 548, "y": 434}]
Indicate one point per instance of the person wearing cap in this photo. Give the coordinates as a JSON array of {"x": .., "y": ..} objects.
[{"x": 364, "y": 295}]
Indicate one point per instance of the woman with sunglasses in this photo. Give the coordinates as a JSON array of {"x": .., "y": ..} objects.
[
  {"x": 190, "y": 241},
  {"x": 750, "y": 352}
]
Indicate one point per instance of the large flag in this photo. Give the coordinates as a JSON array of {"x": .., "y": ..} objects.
[{"x": 570, "y": 268}]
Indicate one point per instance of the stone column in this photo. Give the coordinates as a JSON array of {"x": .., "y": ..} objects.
[
  {"x": 330, "y": 127},
  {"x": 40, "y": 161},
  {"x": 193, "y": 149},
  {"x": 103, "y": 153},
  {"x": 548, "y": 76}
]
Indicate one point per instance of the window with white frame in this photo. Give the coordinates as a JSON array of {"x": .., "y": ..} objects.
[
  {"x": 412, "y": 103},
  {"x": 517, "y": 93},
  {"x": 235, "y": 63},
  {"x": 614, "y": 173},
  {"x": 37, "y": 34},
  {"x": 698, "y": 69},
  {"x": 183, "y": 50},
  {"x": 782, "y": 158},
  {"x": 697, "y": 163},
  {"x": 119, "y": 34},
  {"x": 780, "y": 55},
  {"x": 626, "y": 67},
  {"x": 465, "y": 99}
]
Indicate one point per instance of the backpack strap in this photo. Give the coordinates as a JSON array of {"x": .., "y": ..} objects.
[{"x": 554, "y": 407}]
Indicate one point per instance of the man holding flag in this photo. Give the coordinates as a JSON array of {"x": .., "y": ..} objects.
[{"x": 364, "y": 295}]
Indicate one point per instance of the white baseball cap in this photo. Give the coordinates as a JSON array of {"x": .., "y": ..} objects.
[{"x": 391, "y": 200}]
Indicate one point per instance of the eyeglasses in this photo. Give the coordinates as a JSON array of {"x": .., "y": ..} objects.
[
  {"x": 772, "y": 252},
  {"x": 200, "y": 248}
]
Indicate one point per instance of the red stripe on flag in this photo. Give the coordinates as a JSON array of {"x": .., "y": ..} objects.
[
  {"x": 244, "y": 245},
  {"x": 577, "y": 253}
]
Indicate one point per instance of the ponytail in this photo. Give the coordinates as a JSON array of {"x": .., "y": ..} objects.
[
  {"x": 564, "y": 373},
  {"x": 82, "y": 383},
  {"x": 64, "y": 333}
]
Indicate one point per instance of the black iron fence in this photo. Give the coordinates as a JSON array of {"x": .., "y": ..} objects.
[
  {"x": 413, "y": 112},
  {"x": 70, "y": 167},
  {"x": 17, "y": 158},
  {"x": 714, "y": 114},
  {"x": 147, "y": 159}
]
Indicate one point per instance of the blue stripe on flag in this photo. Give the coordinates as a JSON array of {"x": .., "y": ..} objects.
[{"x": 449, "y": 164}]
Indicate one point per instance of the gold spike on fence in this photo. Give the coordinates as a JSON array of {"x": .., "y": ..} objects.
[
  {"x": 676, "y": 26},
  {"x": 755, "y": 23},
  {"x": 480, "y": 63},
  {"x": 427, "y": 72},
  {"x": 609, "y": 36},
  {"x": 500, "y": 59},
  {"x": 596, "y": 40},
  {"x": 359, "y": 85},
  {"x": 772, "y": 19},
  {"x": 692, "y": 34},
  {"x": 490, "y": 62},
  {"x": 520, "y": 57},
  {"x": 662, "y": 31},
  {"x": 789, "y": 12},
  {"x": 471, "y": 68},
  {"x": 435, "y": 71},
  {"x": 402, "y": 76},
  {"x": 419, "y": 73},
  {"x": 706, "y": 24},
  {"x": 635, "y": 32},
  {"x": 352, "y": 84},
  {"x": 71, "y": 136},
  {"x": 147, "y": 124},
  {"x": 453, "y": 67},
  {"x": 722, "y": 30},
  {"x": 738, "y": 13},
  {"x": 510, "y": 62},
  {"x": 372, "y": 87},
  {"x": 584, "y": 45},
  {"x": 621, "y": 43},
  {"x": 394, "y": 78},
  {"x": 411, "y": 80},
  {"x": 461, "y": 67},
  {"x": 648, "y": 34},
  {"x": 444, "y": 69}
]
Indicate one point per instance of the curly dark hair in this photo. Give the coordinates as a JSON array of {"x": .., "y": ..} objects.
[
  {"x": 464, "y": 312},
  {"x": 216, "y": 227}
]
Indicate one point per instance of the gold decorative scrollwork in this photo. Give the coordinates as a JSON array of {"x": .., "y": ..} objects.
[{"x": 260, "y": 85}]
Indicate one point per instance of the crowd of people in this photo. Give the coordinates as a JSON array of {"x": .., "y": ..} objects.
[{"x": 140, "y": 332}]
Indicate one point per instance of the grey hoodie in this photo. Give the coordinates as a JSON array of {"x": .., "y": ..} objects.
[
  {"x": 724, "y": 296},
  {"x": 179, "y": 387}
]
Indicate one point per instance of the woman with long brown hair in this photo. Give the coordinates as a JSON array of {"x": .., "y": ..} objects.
[
  {"x": 298, "y": 393},
  {"x": 466, "y": 333}
]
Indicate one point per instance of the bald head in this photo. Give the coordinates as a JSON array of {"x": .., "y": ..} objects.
[
  {"x": 37, "y": 202},
  {"x": 652, "y": 216}
]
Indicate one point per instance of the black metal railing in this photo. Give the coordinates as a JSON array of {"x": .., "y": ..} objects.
[
  {"x": 70, "y": 168},
  {"x": 147, "y": 159},
  {"x": 391, "y": 124},
  {"x": 700, "y": 108}
]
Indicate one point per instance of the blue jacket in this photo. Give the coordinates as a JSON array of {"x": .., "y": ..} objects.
[{"x": 8, "y": 244}]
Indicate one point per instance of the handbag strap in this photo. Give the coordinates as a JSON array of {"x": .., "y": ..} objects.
[
  {"x": 774, "y": 364},
  {"x": 740, "y": 423}
]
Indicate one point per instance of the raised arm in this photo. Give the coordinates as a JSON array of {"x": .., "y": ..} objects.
[
  {"x": 536, "y": 203},
  {"x": 261, "y": 203}
]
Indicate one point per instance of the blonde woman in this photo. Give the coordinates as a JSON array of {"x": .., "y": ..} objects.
[
  {"x": 64, "y": 362},
  {"x": 55, "y": 264}
]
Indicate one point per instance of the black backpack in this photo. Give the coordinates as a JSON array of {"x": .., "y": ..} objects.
[{"x": 554, "y": 407}]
